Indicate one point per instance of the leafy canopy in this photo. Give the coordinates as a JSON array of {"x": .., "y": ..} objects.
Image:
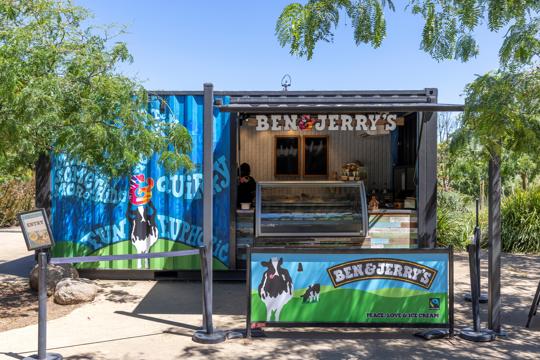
[
  {"x": 448, "y": 31},
  {"x": 502, "y": 109},
  {"x": 60, "y": 90}
]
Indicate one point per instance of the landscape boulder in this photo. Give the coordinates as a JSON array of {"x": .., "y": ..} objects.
[
  {"x": 55, "y": 274},
  {"x": 74, "y": 291}
]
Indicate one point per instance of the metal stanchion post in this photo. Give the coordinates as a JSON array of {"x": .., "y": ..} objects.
[
  {"x": 42, "y": 312},
  {"x": 207, "y": 335},
  {"x": 475, "y": 333},
  {"x": 534, "y": 306},
  {"x": 482, "y": 298}
]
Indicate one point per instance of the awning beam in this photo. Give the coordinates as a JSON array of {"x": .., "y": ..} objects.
[{"x": 338, "y": 108}]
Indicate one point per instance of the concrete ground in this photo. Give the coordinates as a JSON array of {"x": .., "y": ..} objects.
[{"x": 155, "y": 320}]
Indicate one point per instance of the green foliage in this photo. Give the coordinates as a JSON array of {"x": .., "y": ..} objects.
[
  {"x": 521, "y": 222},
  {"x": 17, "y": 196},
  {"x": 463, "y": 161},
  {"x": 448, "y": 32},
  {"x": 455, "y": 220},
  {"x": 302, "y": 26},
  {"x": 521, "y": 44},
  {"x": 502, "y": 110},
  {"x": 60, "y": 91}
]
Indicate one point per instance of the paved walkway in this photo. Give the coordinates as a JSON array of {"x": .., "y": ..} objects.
[
  {"x": 155, "y": 320},
  {"x": 15, "y": 260}
]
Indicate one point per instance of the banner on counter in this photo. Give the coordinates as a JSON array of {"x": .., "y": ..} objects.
[{"x": 318, "y": 287}]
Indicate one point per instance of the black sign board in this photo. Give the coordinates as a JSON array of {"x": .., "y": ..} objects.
[{"x": 36, "y": 230}]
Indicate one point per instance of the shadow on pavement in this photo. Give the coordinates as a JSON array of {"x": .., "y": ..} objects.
[
  {"x": 87, "y": 356},
  {"x": 159, "y": 320},
  {"x": 19, "y": 267},
  {"x": 177, "y": 297}
]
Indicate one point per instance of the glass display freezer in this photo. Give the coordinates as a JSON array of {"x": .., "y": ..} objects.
[{"x": 311, "y": 209}]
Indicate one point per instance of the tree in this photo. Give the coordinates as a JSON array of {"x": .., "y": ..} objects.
[
  {"x": 503, "y": 111},
  {"x": 448, "y": 31},
  {"x": 61, "y": 91}
]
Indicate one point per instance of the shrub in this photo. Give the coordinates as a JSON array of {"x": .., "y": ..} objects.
[
  {"x": 17, "y": 195},
  {"x": 521, "y": 222},
  {"x": 456, "y": 219}
]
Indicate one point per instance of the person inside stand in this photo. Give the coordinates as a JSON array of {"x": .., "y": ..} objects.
[{"x": 246, "y": 185}]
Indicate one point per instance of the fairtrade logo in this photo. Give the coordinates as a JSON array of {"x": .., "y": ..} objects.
[
  {"x": 140, "y": 190},
  {"x": 381, "y": 268},
  {"x": 434, "y": 303}
]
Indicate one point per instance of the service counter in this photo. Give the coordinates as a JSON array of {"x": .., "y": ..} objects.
[{"x": 321, "y": 214}]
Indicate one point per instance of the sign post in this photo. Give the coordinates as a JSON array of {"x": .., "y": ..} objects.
[{"x": 38, "y": 237}]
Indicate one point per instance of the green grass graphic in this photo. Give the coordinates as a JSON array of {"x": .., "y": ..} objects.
[
  {"x": 349, "y": 305},
  {"x": 192, "y": 262}
]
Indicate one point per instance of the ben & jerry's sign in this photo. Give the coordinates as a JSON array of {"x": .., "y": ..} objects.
[
  {"x": 392, "y": 269},
  {"x": 342, "y": 122}
]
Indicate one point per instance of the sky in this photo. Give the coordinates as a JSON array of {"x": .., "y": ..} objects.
[{"x": 179, "y": 45}]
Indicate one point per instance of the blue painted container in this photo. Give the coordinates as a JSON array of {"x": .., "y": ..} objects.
[{"x": 151, "y": 210}]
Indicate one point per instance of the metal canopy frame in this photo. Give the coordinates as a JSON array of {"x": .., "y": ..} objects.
[{"x": 326, "y": 107}]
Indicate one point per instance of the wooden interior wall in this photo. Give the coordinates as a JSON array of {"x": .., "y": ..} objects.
[{"x": 257, "y": 149}]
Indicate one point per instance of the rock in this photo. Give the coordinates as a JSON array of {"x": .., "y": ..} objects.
[
  {"x": 74, "y": 291},
  {"x": 55, "y": 274}
]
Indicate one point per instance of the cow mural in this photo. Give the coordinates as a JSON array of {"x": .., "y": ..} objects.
[
  {"x": 276, "y": 287},
  {"x": 142, "y": 216},
  {"x": 312, "y": 293}
]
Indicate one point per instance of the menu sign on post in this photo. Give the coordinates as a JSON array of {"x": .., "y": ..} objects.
[{"x": 36, "y": 230}]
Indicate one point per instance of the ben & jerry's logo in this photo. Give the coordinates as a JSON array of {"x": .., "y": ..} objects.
[{"x": 380, "y": 268}]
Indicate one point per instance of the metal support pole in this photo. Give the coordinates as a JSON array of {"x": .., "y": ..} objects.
[
  {"x": 475, "y": 290},
  {"x": 477, "y": 248},
  {"x": 494, "y": 256},
  {"x": 534, "y": 306},
  {"x": 248, "y": 291},
  {"x": 476, "y": 333},
  {"x": 42, "y": 311},
  {"x": 482, "y": 298},
  {"x": 42, "y": 305},
  {"x": 207, "y": 310},
  {"x": 208, "y": 181},
  {"x": 208, "y": 336}
]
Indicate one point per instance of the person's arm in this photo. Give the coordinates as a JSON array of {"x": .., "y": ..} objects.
[{"x": 252, "y": 188}]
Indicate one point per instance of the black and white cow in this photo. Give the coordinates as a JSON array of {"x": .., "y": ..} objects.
[
  {"x": 142, "y": 215},
  {"x": 312, "y": 293},
  {"x": 276, "y": 287}
]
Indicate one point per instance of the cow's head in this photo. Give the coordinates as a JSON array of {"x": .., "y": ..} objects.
[{"x": 273, "y": 265}]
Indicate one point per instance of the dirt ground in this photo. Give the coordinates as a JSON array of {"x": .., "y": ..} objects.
[{"x": 18, "y": 305}]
